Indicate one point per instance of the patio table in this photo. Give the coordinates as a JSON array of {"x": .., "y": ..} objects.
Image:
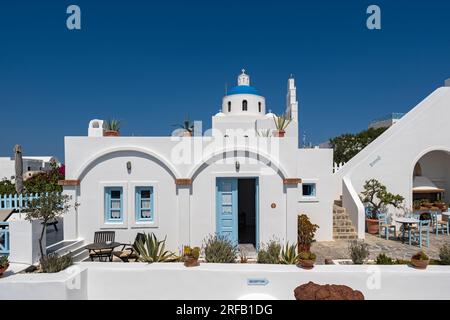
[
  {"x": 98, "y": 247},
  {"x": 409, "y": 222}
]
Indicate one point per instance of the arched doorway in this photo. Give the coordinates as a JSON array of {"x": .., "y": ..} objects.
[{"x": 431, "y": 180}]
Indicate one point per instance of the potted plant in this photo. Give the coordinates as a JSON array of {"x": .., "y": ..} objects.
[
  {"x": 376, "y": 196},
  {"x": 4, "y": 264},
  {"x": 305, "y": 233},
  {"x": 306, "y": 260},
  {"x": 426, "y": 203},
  {"x": 417, "y": 204},
  {"x": 112, "y": 128},
  {"x": 420, "y": 260},
  {"x": 190, "y": 256},
  {"x": 187, "y": 126},
  {"x": 440, "y": 204},
  {"x": 281, "y": 123}
]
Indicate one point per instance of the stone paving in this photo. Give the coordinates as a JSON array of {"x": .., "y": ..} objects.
[{"x": 338, "y": 249}]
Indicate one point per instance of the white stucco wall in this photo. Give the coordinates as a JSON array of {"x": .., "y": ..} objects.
[{"x": 392, "y": 156}]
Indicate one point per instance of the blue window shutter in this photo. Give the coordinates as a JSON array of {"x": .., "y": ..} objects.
[
  {"x": 140, "y": 209},
  {"x": 109, "y": 209}
]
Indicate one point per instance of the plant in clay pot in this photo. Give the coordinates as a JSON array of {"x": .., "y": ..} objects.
[
  {"x": 306, "y": 260},
  {"x": 4, "y": 264},
  {"x": 440, "y": 204},
  {"x": 281, "y": 123},
  {"x": 376, "y": 196},
  {"x": 111, "y": 128},
  {"x": 420, "y": 260},
  {"x": 305, "y": 233},
  {"x": 190, "y": 256}
]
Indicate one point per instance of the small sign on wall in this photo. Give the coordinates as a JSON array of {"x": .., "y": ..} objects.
[{"x": 273, "y": 205}]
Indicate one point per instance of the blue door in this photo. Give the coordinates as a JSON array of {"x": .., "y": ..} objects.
[{"x": 226, "y": 207}]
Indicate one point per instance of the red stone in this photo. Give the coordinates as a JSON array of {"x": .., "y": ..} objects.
[{"x": 313, "y": 291}]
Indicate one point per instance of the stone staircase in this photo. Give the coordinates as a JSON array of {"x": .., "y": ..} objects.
[{"x": 343, "y": 228}]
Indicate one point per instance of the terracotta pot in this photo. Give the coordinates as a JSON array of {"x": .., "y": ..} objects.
[
  {"x": 440, "y": 205},
  {"x": 306, "y": 264},
  {"x": 190, "y": 262},
  {"x": 111, "y": 133},
  {"x": 372, "y": 226},
  {"x": 281, "y": 133},
  {"x": 419, "y": 264},
  {"x": 2, "y": 270},
  {"x": 302, "y": 247}
]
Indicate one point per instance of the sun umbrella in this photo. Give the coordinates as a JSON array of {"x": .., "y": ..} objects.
[{"x": 19, "y": 168}]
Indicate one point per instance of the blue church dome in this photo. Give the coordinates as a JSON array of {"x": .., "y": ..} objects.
[{"x": 242, "y": 90}]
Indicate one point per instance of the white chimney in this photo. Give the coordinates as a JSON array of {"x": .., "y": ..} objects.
[{"x": 95, "y": 128}]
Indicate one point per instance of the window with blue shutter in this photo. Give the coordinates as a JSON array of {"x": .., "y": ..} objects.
[
  {"x": 113, "y": 204},
  {"x": 144, "y": 204}
]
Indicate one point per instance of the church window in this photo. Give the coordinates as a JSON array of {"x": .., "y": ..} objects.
[{"x": 244, "y": 105}]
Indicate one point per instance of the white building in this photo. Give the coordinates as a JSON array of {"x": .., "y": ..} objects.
[
  {"x": 233, "y": 180},
  {"x": 31, "y": 165},
  {"x": 239, "y": 182}
]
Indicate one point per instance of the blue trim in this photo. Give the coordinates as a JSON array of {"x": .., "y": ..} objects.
[
  {"x": 4, "y": 238},
  {"x": 242, "y": 90},
  {"x": 108, "y": 209},
  {"x": 138, "y": 207}
]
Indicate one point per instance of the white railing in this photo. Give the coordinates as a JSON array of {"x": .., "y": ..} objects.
[{"x": 16, "y": 201}]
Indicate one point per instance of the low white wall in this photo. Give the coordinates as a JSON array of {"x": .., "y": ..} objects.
[
  {"x": 354, "y": 207},
  {"x": 120, "y": 281},
  {"x": 69, "y": 284},
  {"x": 229, "y": 281}
]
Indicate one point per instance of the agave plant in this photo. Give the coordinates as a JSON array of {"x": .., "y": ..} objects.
[
  {"x": 281, "y": 122},
  {"x": 112, "y": 125},
  {"x": 288, "y": 254},
  {"x": 264, "y": 133},
  {"x": 152, "y": 250}
]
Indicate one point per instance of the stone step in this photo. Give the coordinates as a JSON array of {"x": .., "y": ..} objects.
[
  {"x": 350, "y": 236},
  {"x": 338, "y": 202},
  {"x": 342, "y": 223},
  {"x": 343, "y": 230}
]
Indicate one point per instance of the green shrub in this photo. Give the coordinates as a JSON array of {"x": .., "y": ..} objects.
[
  {"x": 307, "y": 256},
  {"x": 402, "y": 261},
  {"x": 444, "y": 254},
  {"x": 52, "y": 263},
  {"x": 4, "y": 261},
  {"x": 359, "y": 251},
  {"x": 384, "y": 259},
  {"x": 220, "y": 249},
  {"x": 153, "y": 250},
  {"x": 289, "y": 254},
  {"x": 270, "y": 253}
]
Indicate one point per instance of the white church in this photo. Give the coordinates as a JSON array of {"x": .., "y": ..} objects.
[{"x": 243, "y": 178}]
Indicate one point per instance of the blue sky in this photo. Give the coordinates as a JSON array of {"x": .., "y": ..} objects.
[{"x": 152, "y": 63}]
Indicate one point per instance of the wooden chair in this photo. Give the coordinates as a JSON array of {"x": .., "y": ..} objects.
[
  {"x": 100, "y": 237},
  {"x": 439, "y": 225},
  {"x": 129, "y": 251}
]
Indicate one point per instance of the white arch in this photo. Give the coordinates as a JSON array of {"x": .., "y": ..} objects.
[
  {"x": 253, "y": 151},
  {"x": 173, "y": 171}
]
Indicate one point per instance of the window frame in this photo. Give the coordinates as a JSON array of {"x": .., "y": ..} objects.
[
  {"x": 108, "y": 208},
  {"x": 134, "y": 222},
  {"x": 138, "y": 201},
  {"x": 311, "y": 198}
]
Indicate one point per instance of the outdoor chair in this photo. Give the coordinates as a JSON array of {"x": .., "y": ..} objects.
[
  {"x": 129, "y": 251},
  {"x": 384, "y": 224},
  {"x": 100, "y": 237},
  {"x": 439, "y": 225},
  {"x": 423, "y": 230}
]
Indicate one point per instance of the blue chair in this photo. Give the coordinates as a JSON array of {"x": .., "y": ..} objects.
[
  {"x": 439, "y": 225},
  {"x": 423, "y": 229},
  {"x": 384, "y": 224}
]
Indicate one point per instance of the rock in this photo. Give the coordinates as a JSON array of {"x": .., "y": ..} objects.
[{"x": 313, "y": 291}]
